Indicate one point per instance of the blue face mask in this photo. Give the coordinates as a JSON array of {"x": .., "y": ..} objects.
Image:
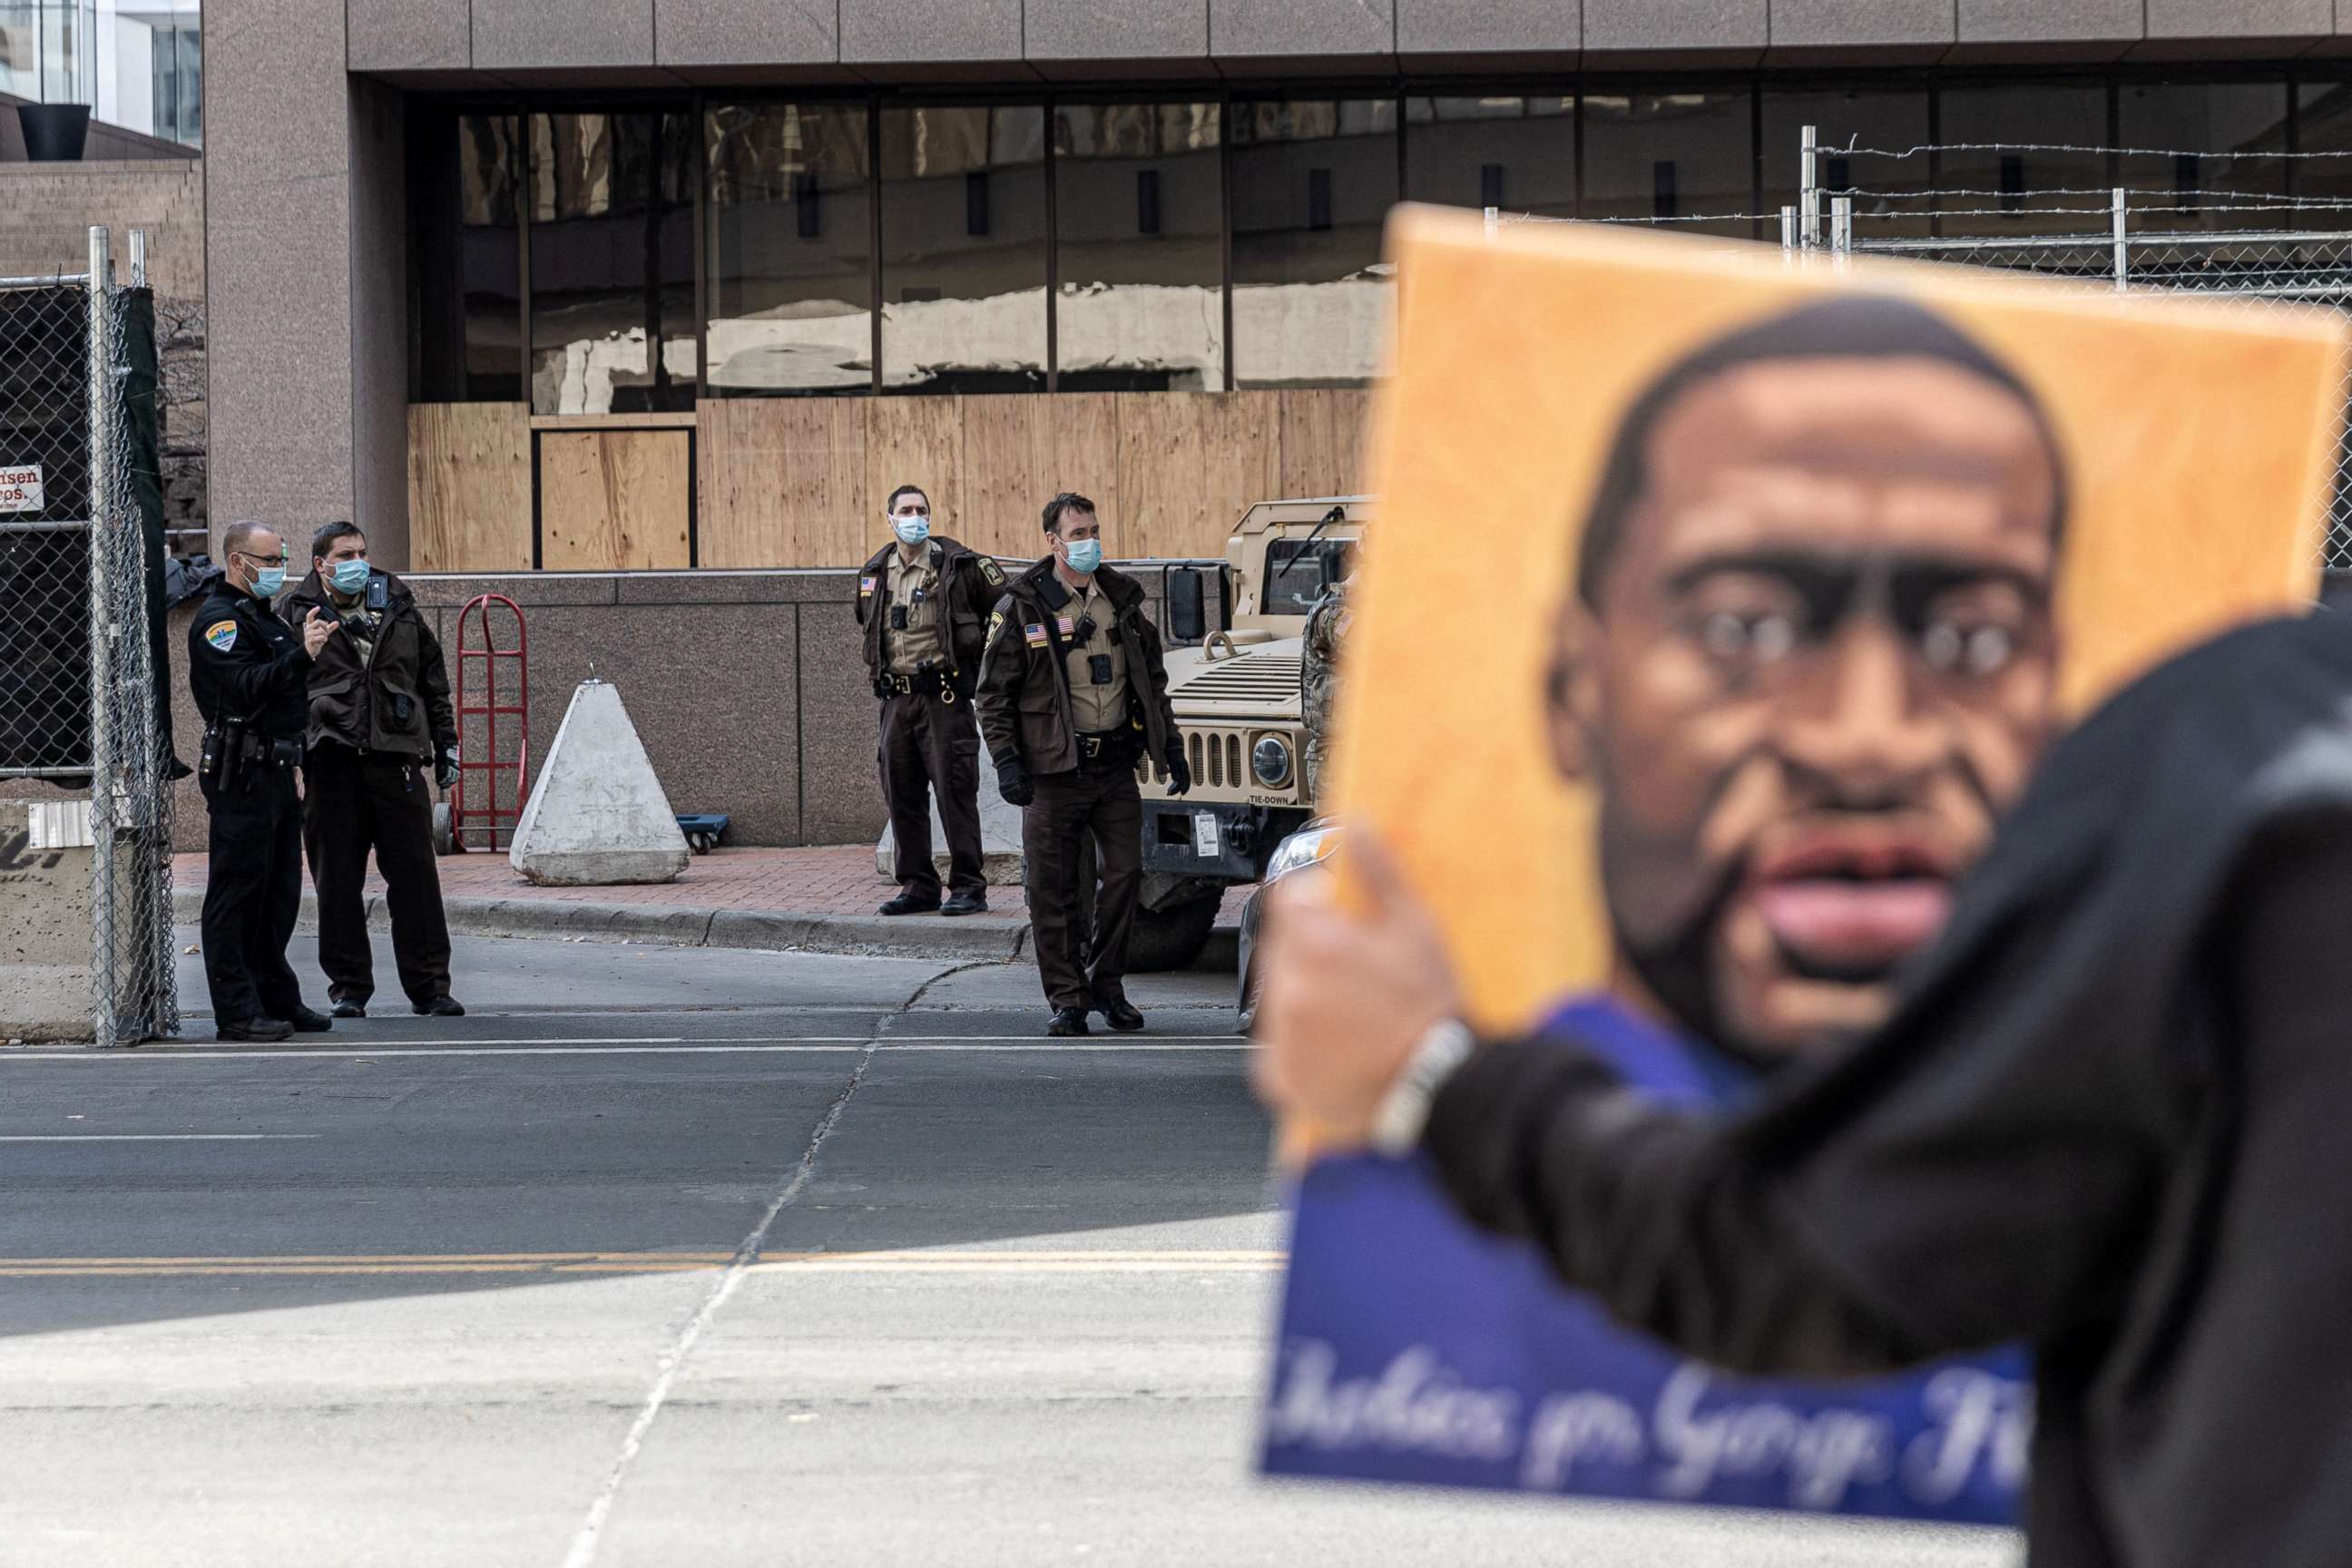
[
  {"x": 911, "y": 530},
  {"x": 349, "y": 577},
  {"x": 270, "y": 580},
  {"x": 1084, "y": 555}
]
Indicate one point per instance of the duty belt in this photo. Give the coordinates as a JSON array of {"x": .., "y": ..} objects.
[
  {"x": 1103, "y": 743},
  {"x": 929, "y": 680}
]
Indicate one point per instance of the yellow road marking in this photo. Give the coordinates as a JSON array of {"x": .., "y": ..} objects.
[{"x": 874, "y": 1262}]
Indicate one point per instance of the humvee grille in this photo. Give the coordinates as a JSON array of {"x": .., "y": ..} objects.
[
  {"x": 1215, "y": 756},
  {"x": 1256, "y": 678}
]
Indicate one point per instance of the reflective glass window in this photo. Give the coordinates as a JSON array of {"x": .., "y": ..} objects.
[
  {"x": 1685, "y": 156},
  {"x": 963, "y": 248},
  {"x": 1139, "y": 191},
  {"x": 2214, "y": 146},
  {"x": 2323, "y": 133},
  {"x": 1515, "y": 153},
  {"x": 1313, "y": 182},
  {"x": 611, "y": 263},
  {"x": 2013, "y": 162},
  {"x": 791, "y": 242}
]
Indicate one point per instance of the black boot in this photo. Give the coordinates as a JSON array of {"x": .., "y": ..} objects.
[
  {"x": 270, "y": 1031},
  {"x": 1119, "y": 1013},
  {"x": 1067, "y": 1022},
  {"x": 912, "y": 904},
  {"x": 440, "y": 1007},
  {"x": 965, "y": 904},
  {"x": 306, "y": 1022}
]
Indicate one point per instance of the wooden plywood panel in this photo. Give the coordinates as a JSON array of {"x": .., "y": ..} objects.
[
  {"x": 1191, "y": 463},
  {"x": 1323, "y": 439},
  {"x": 783, "y": 482},
  {"x": 469, "y": 486},
  {"x": 913, "y": 441},
  {"x": 613, "y": 500},
  {"x": 1021, "y": 451}
]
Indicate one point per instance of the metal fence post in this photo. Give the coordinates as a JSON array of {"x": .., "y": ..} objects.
[
  {"x": 1841, "y": 227},
  {"x": 105, "y": 761},
  {"x": 1788, "y": 231},
  {"x": 2123, "y": 245},
  {"x": 1809, "y": 205},
  {"x": 1494, "y": 222}
]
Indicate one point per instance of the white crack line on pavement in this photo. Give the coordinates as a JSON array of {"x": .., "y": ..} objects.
[{"x": 583, "y": 1545}]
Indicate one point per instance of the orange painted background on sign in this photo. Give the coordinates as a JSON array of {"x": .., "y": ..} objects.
[{"x": 2200, "y": 437}]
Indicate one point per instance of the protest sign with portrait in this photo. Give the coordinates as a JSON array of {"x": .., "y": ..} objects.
[{"x": 1723, "y": 601}]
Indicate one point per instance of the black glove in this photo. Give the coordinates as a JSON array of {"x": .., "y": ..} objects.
[
  {"x": 1013, "y": 783},
  {"x": 1179, "y": 771},
  {"x": 444, "y": 768}
]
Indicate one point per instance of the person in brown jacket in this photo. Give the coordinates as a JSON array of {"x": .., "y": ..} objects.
[
  {"x": 1073, "y": 694},
  {"x": 380, "y": 718},
  {"x": 921, "y": 601}
]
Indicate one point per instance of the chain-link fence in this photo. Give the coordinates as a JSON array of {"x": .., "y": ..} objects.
[{"x": 83, "y": 674}]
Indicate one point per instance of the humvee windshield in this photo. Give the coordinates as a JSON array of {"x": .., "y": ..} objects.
[{"x": 1295, "y": 572}]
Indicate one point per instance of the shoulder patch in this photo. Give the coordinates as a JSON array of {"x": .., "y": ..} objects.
[
  {"x": 991, "y": 573},
  {"x": 995, "y": 624},
  {"x": 222, "y": 635},
  {"x": 865, "y": 585},
  {"x": 1035, "y": 634}
]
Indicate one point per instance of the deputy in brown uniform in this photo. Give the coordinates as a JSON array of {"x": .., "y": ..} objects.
[
  {"x": 1073, "y": 693},
  {"x": 921, "y": 601}
]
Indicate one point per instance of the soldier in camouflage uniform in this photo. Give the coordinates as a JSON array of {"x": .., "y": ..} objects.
[{"x": 1318, "y": 680}]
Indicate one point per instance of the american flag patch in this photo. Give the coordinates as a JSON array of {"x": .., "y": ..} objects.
[
  {"x": 1036, "y": 636},
  {"x": 865, "y": 585}
]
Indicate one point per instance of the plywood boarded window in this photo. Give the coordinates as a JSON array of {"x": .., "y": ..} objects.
[{"x": 615, "y": 501}]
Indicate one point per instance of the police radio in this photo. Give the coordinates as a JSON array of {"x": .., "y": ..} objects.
[{"x": 379, "y": 592}]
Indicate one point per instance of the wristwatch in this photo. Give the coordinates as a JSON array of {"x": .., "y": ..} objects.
[{"x": 1404, "y": 1109}]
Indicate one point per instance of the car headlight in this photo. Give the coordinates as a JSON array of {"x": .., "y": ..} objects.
[
  {"x": 1302, "y": 849},
  {"x": 1270, "y": 761}
]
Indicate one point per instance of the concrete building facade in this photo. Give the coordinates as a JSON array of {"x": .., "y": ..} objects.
[
  {"x": 314, "y": 106},
  {"x": 644, "y": 288}
]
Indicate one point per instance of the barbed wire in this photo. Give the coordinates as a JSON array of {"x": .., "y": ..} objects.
[
  {"x": 1928, "y": 147},
  {"x": 1932, "y": 193}
]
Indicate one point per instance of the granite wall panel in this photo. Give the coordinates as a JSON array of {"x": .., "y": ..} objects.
[
  {"x": 1429, "y": 28},
  {"x": 747, "y": 32},
  {"x": 1241, "y": 28},
  {"x": 919, "y": 32},
  {"x": 1115, "y": 29},
  {"x": 514, "y": 35},
  {"x": 279, "y": 260},
  {"x": 409, "y": 34}
]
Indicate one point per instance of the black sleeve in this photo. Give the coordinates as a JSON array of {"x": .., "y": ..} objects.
[
  {"x": 249, "y": 676},
  {"x": 1155, "y": 665},
  {"x": 1986, "y": 1168},
  {"x": 433, "y": 685},
  {"x": 1004, "y": 659}
]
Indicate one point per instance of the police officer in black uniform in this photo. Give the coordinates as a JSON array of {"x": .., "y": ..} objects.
[
  {"x": 1073, "y": 694},
  {"x": 380, "y": 717},
  {"x": 250, "y": 672},
  {"x": 921, "y": 601}
]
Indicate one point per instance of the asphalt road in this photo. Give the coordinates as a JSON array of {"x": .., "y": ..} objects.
[{"x": 669, "y": 1256}]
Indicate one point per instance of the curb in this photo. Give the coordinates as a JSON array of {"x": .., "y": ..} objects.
[{"x": 673, "y": 925}]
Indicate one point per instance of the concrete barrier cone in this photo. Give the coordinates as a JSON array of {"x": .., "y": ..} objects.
[
  {"x": 999, "y": 840},
  {"x": 597, "y": 814}
]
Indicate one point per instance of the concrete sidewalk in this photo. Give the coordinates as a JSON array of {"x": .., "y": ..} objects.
[{"x": 819, "y": 900}]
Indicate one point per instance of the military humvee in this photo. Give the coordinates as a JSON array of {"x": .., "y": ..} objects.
[{"x": 1237, "y": 701}]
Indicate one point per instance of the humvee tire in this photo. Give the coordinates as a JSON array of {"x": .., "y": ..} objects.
[{"x": 1171, "y": 938}]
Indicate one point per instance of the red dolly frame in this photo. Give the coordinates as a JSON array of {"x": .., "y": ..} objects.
[{"x": 464, "y": 816}]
